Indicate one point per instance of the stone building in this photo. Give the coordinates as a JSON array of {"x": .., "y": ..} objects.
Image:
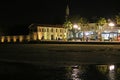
[
  {"x": 47, "y": 32},
  {"x": 38, "y": 32}
]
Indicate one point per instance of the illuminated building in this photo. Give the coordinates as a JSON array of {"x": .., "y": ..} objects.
[
  {"x": 47, "y": 32},
  {"x": 38, "y": 32}
]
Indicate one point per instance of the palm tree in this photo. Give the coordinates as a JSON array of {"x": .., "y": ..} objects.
[
  {"x": 102, "y": 21},
  {"x": 79, "y": 21},
  {"x": 100, "y": 24},
  {"x": 117, "y": 18},
  {"x": 83, "y": 23},
  {"x": 68, "y": 25}
]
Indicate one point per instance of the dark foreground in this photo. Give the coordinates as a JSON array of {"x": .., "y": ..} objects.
[{"x": 48, "y": 61}]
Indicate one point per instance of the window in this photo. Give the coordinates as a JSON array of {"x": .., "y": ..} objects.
[
  {"x": 52, "y": 30},
  {"x": 60, "y": 30},
  {"x": 56, "y": 30},
  {"x": 39, "y": 30},
  {"x": 47, "y": 29},
  {"x": 42, "y": 29}
]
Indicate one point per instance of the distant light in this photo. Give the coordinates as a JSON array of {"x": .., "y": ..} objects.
[
  {"x": 118, "y": 31},
  {"x": 111, "y": 67},
  {"x": 79, "y": 28},
  {"x": 111, "y": 24},
  {"x": 75, "y": 26}
]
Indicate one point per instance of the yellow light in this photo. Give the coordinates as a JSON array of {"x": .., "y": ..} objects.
[
  {"x": 111, "y": 67},
  {"x": 75, "y": 26},
  {"x": 118, "y": 31},
  {"x": 111, "y": 24},
  {"x": 79, "y": 28}
]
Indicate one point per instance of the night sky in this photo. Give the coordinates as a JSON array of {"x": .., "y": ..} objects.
[{"x": 21, "y": 13}]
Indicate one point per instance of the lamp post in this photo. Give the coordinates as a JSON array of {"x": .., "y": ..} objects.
[
  {"x": 76, "y": 29},
  {"x": 111, "y": 24}
]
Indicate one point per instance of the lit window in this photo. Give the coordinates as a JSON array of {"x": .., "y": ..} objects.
[
  {"x": 47, "y": 29},
  {"x": 39, "y": 30},
  {"x": 56, "y": 30},
  {"x": 42, "y": 30},
  {"x": 60, "y": 30},
  {"x": 52, "y": 30}
]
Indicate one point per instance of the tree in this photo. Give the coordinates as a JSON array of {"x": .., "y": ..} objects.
[
  {"x": 101, "y": 21},
  {"x": 83, "y": 23},
  {"x": 100, "y": 26},
  {"x": 80, "y": 22},
  {"x": 117, "y": 18},
  {"x": 68, "y": 25}
]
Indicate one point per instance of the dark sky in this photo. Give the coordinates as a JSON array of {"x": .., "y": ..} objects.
[{"x": 21, "y": 13}]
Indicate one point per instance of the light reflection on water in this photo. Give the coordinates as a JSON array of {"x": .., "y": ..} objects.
[
  {"x": 93, "y": 72},
  {"x": 79, "y": 72}
]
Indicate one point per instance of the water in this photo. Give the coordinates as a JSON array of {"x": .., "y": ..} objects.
[
  {"x": 18, "y": 71},
  {"x": 46, "y": 62}
]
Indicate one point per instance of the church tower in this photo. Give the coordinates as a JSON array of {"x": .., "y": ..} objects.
[{"x": 67, "y": 11}]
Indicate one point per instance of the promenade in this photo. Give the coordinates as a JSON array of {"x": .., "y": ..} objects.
[{"x": 61, "y": 53}]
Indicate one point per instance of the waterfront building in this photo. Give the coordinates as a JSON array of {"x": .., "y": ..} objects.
[
  {"x": 14, "y": 38},
  {"x": 94, "y": 32},
  {"x": 47, "y": 32},
  {"x": 39, "y": 32}
]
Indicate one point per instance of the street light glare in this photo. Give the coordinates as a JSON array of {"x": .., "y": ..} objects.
[
  {"x": 111, "y": 67},
  {"x": 75, "y": 26},
  {"x": 79, "y": 28},
  {"x": 111, "y": 24}
]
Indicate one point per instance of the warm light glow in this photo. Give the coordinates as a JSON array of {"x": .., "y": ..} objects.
[
  {"x": 28, "y": 37},
  {"x": 111, "y": 24},
  {"x": 20, "y": 38},
  {"x": 14, "y": 38},
  {"x": 8, "y": 38},
  {"x": 3, "y": 39},
  {"x": 75, "y": 26},
  {"x": 111, "y": 67},
  {"x": 79, "y": 28},
  {"x": 118, "y": 31}
]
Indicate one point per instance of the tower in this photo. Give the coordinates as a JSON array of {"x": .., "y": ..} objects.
[{"x": 67, "y": 11}]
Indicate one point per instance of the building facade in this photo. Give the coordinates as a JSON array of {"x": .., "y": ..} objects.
[
  {"x": 14, "y": 38},
  {"x": 47, "y": 32},
  {"x": 38, "y": 32}
]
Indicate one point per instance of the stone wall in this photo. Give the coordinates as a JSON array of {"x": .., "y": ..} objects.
[{"x": 15, "y": 38}]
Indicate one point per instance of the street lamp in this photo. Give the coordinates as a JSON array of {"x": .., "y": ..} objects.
[
  {"x": 75, "y": 26},
  {"x": 111, "y": 24},
  {"x": 111, "y": 67},
  {"x": 76, "y": 29}
]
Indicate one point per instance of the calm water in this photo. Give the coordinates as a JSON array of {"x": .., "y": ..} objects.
[
  {"x": 18, "y": 71},
  {"x": 32, "y": 53}
]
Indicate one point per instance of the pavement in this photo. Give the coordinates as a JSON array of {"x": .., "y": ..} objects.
[{"x": 60, "y": 54}]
